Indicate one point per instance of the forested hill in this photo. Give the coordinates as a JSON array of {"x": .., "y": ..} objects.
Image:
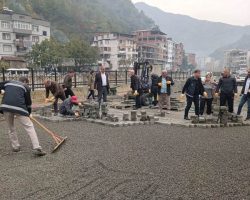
[{"x": 70, "y": 18}]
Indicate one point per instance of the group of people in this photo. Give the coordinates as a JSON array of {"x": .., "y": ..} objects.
[
  {"x": 200, "y": 93},
  {"x": 203, "y": 93},
  {"x": 98, "y": 81},
  {"x": 160, "y": 90}
]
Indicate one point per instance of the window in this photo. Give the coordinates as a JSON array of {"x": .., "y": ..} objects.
[
  {"x": 22, "y": 25},
  {"x": 5, "y": 25},
  {"x": 35, "y": 39},
  {"x": 7, "y": 48},
  {"x": 44, "y": 33},
  {"x": 6, "y": 36},
  {"x": 35, "y": 28}
]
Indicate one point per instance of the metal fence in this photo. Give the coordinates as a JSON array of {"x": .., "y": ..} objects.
[{"x": 37, "y": 77}]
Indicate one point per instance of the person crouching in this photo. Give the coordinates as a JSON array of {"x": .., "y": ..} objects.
[{"x": 68, "y": 107}]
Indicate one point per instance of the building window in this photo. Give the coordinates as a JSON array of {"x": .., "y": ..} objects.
[
  {"x": 44, "y": 33},
  {"x": 5, "y": 25},
  {"x": 6, "y": 36},
  {"x": 22, "y": 25},
  {"x": 35, "y": 39},
  {"x": 35, "y": 28},
  {"x": 7, "y": 48}
]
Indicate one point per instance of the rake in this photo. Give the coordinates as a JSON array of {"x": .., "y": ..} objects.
[{"x": 58, "y": 139}]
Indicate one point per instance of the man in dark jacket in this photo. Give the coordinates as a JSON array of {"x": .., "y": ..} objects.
[
  {"x": 227, "y": 87},
  {"x": 102, "y": 85},
  {"x": 56, "y": 90},
  {"x": 193, "y": 88},
  {"x": 136, "y": 88},
  {"x": 245, "y": 96},
  {"x": 67, "y": 84},
  {"x": 154, "y": 88},
  {"x": 165, "y": 83},
  {"x": 16, "y": 104}
]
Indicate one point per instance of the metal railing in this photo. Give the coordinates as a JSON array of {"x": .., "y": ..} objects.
[{"x": 37, "y": 77}]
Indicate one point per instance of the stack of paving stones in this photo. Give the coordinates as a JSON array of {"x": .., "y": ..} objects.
[
  {"x": 176, "y": 104},
  {"x": 1, "y": 118},
  {"x": 220, "y": 118}
]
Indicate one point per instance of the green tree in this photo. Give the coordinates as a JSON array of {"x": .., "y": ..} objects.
[
  {"x": 47, "y": 53},
  {"x": 81, "y": 52}
]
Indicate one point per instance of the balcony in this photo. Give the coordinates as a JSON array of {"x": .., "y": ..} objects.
[{"x": 21, "y": 43}]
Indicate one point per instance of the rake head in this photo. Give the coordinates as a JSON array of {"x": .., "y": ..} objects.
[{"x": 59, "y": 144}]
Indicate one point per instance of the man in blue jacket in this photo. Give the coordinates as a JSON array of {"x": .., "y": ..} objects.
[
  {"x": 193, "y": 88},
  {"x": 16, "y": 103},
  {"x": 245, "y": 96},
  {"x": 165, "y": 83}
]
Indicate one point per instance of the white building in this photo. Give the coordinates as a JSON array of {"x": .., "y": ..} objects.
[
  {"x": 19, "y": 32},
  {"x": 116, "y": 50},
  {"x": 170, "y": 53},
  {"x": 237, "y": 59}
]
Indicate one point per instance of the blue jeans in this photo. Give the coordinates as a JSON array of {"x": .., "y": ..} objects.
[{"x": 245, "y": 98}]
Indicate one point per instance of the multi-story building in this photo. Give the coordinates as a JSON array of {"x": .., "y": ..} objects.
[
  {"x": 237, "y": 59},
  {"x": 179, "y": 56},
  {"x": 170, "y": 53},
  {"x": 117, "y": 50},
  {"x": 152, "y": 46},
  {"x": 19, "y": 32},
  {"x": 191, "y": 59}
]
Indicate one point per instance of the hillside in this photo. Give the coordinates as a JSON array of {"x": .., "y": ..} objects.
[
  {"x": 83, "y": 17},
  {"x": 199, "y": 36},
  {"x": 242, "y": 43}
]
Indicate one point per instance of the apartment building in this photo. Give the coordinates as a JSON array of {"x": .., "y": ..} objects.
[
  {"x": 19, "y": 32},
  {"x": 237, "y": 59},
  {"x": 179, "y": 56},
  {"x": 170, "y": 53},
  {"x": 117, "y": 50},
  {"x": 152, "y": 46},
  {"x": 191, "y": 59}
]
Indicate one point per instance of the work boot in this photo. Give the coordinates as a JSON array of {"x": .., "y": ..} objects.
[
  {"x": 39, "y": 152},
  {"x": 16, "y": 150},
  {"x": 186, "y": 118}
]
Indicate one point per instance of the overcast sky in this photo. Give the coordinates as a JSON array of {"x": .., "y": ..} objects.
[{"x": 235, "y": 12}]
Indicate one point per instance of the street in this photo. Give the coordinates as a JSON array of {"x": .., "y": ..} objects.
[{"x": 142, "y": 162}]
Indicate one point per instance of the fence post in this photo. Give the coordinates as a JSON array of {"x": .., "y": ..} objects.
[
  {"x": 3, "y": 71},
  {"x": 75, "y": 80},
  {"x": 55, "y": 71},
  {"x": 126, "y": 77},
  {"x": 32, "y": 80},
  {"x": 116, "y": 78}
]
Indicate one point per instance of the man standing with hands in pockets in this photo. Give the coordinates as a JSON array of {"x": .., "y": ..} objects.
[{"x": 165, "y": 83}]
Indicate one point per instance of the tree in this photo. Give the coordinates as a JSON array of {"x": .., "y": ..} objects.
[
  {"x": 81, "y": 52},
  {"x": 47, "y": 53}
]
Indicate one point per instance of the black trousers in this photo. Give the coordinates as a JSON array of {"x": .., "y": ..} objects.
[
  {"x": 91, "y": 93},
  {"x": 155, "y": 102},
  {"x": 205, "y": 102},
  {"x": 227, "y": 99},
  {"x": 55, "y": 104},
  {"x": 138, "y": 101},
  {"x": 190, "y": 100},
  {"x": 102, "y": 94},
  {"x": 68, "y": 92}
]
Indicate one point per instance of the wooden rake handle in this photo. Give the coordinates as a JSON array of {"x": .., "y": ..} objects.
[{"x": 53, "y": 135}]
